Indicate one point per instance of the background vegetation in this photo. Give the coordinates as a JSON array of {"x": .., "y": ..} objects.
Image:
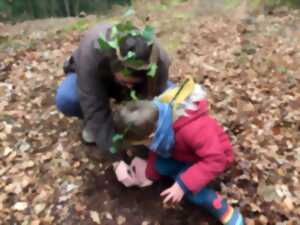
[
  {"x": 18, "y": 10},
  {"x": 31, "y": 9}
]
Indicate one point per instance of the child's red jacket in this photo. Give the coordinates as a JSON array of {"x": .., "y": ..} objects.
[{"x": 202, "y": 142}]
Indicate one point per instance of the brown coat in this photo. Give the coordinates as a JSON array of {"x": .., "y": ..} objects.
[{"x": 96, "y": 84}]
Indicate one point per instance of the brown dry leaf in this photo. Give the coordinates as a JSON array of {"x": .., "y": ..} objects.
[
  {"x": 268, "y": 193},
  {"x": 263, "y": 220},
  {"x": 95, "y": 217},
  {"x": 7, "y": 151},
  {"x": 108, "y": 216},
  {"x": 38, "y": 208},
  {"x": 27, "y": 164},
  {"x": 35, "y": 222},
  {"x": 249, "y": 221},
  {"x": 121, "y": 220},
  {"x": 288, "y": 203},
  {"x": 20, "y": 206},
  {"x": 79, "y": 207},
  {"x": 145, "y": 222}
]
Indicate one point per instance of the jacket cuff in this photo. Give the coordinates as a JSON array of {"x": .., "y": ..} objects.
[
  {"x": 182, "y": 185},
  {"x": 151, "y": 174}
]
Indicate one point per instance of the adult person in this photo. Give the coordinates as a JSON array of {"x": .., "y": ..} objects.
[{"x": 112, "y": 62}]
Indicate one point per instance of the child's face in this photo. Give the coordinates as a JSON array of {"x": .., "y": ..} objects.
[{"x": 136, "y": 121}]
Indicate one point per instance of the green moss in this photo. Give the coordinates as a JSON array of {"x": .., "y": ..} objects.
[
  {"x": 254, "y": 4},
  {"x": 243, "y": 59},
  {"x": 170, "y": 44},
  {"x": 282, "y": 70},
  {"x": 80, "y": 25},
  {"x": 159, "y": 7},
  {"x": 230, "y": 4}
]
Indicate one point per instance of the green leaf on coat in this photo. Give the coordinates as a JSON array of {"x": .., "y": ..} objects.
[
  {"x": 126, "y": 72},
  {"x": 152, "y": 70},
  {"x": 133, "y": 95},
  {"x": 103, "y": 43},
  {"x": 148, "y": 34}
]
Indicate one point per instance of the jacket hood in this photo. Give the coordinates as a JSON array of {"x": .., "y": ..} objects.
[{"x": 192, "y": 114}]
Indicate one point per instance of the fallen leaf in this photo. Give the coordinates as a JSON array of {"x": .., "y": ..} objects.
[
  {"x": 268, "y": 193},
  {"x": 7, "y": 151},
  {"x": 27, "y": 164},
  {"x": 20, "y": 206},
  {"x": 263, "y": 220},
  {"x": 35, "y": 222},
  {"x": 95, "y": 217},
  {"x": 39, "y": 208},
  {"x": 145, "y": 222},
  {"x": 288, "y": 203},
  {"x": 249, "y": 221},
  {"x": 24, "y": 147},
  {"x": 79, "y": 208},
  {"x": 108, "y": 216},
  {"x": 14, "y": 187},
  {"x": 121, "y": 220}
]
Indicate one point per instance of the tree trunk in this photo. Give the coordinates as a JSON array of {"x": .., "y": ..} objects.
[
  {"x": 76, "y": 8},
  {"x": 30, "y": 8},
  {"x": 67, "y": 7},
  {"x": 35, "y": 10},
  {"x": 52, "y": 7}
]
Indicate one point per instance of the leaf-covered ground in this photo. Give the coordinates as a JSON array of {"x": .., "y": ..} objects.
[{"x": 250, "y": 66}]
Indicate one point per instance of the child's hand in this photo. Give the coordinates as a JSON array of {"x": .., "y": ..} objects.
[{"x": 174, "y": 193}]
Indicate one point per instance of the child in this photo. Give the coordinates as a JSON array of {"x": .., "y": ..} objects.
[{"x": 185, "y": 144}]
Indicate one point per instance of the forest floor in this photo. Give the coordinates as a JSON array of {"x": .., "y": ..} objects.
[{"x": 250, "y": 66}]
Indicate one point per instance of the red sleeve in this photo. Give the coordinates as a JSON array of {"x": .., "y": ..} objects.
[
  {"x": 151, "y": 173},
  {"x": 212, "y": 160}
]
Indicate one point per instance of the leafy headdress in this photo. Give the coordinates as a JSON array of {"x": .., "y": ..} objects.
[{"x": 118, "y": 34}]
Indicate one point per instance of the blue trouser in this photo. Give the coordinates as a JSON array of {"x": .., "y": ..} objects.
[
  {"x": 67, "y": 99},
  {"x": 206, "y": 198}
]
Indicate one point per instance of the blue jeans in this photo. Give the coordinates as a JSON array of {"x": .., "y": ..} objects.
[
  {"x": 206, "y": 198},
  {"x": 67, "y": 99}
]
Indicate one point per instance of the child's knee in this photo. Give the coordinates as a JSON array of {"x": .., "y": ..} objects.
[{"x": 167, "y": 166}]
